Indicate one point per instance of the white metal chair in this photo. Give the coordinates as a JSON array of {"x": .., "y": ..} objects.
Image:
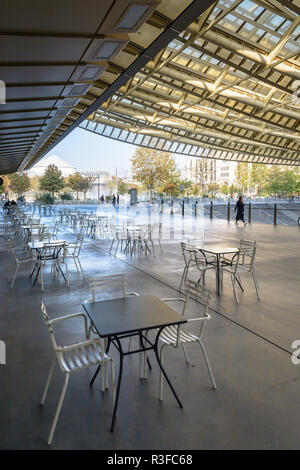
[
  {"x": 193, "y": 258},
  {"x": 179, "y": 336},
  {"x": 118, "y": 236},
  {"x": 80, "y": 355},
  {"x": 155, "y": 235},
  {"x": 242, "y": 262},
  {"x": 53, "y": 254},
  {"x": 72, "y": 251},
  {"x": 22, "y": 258}
]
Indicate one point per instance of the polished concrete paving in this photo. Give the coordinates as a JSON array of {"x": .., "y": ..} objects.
[{"x": 256, "y": 404}]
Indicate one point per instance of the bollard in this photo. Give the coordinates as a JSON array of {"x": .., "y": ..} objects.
[
  {"x": 228, "y": 211},
  {"x": 275, "y": 214},
  {"x": 172, "y": 213},
  {"x": 183, "y": 207},
  {"x": 196, "y": 207},
  {"x": 211, "y": 210},
  {"x": 249, "y": 213}
]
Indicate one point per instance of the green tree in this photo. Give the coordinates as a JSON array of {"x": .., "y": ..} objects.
[
  {"x": 123, "y": 187},
  {"x": 153, "y": 167},
  {"x": 80, "y": 183},
  {"x": 233, "y": 189},
  {"x": 175, "y": 184},
  {"x": 52, "y": 180},
  {"x": 212, "y": 189},
  {"x": 74, "y": 182},
  {"x": 224, "y": 189},
  {"x": 18, "y": 183},
  {"x": 243, "y": 176},
  {"x": 259, "y": 177},
  {"x": 87, "y": 184}
]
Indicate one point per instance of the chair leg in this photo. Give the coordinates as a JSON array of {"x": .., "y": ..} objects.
[
  {"x": 185, "y": 353},
  {"x": 76, "y": 265},
  {"x": 60, "y": 402},
  {"x": 234, "y": 288},
  {"x": 78, "y": 260},
  {"x": 14, "y": 276},
  {"x": 183, "y": 274},
  {"x": 111, "y": 246},
  {"x": 41, "y": 277},
  {"x": 103, "y": 378},
  {"x": 161, "y": 383},
  {"x": 113, "y": 374},
  {"x": 256, "y": 284},
  {"x": 117, "y": 247},
  {"x": 208, "y": 365},
  {"x": 160, "y": 246},
  {"x": 48, "y": 380}
]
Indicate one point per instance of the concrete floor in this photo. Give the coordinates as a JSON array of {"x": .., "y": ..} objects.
[{"x": 256, "y": 404}]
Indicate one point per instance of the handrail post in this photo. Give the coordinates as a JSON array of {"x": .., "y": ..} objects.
[
  {"x": 183, "y": 207},
  {"x": 211, "y": 210},
  {"x": 172, "y": 201},
  {"x": 249, "y": 213},
  {"x": 162, "y": 205},
  {"x": 196, "y": 207},
  {"x": 275, "y": 214},
  {"x": 228, "y": 211}
]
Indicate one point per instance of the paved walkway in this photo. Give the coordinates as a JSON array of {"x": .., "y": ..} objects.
[{"x": 256, "y": 404}]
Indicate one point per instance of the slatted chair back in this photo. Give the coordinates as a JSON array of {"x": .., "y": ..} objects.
[
  {"x": 49, "y": 326},
  {"x": 247, "y": 253},
  {"x": 188, "y": 253},
  {"x": 197, "y": 292},
  {"x": 106, "y": 283}
]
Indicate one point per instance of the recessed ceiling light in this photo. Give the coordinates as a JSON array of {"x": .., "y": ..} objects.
[
  {"x": 90, "y": 73},
  {"x": 132, "y": 16},
  {"x": 79, "y": 90},
  {"x": 70, "y": 102},
  {"x": 104, "y": 49}
]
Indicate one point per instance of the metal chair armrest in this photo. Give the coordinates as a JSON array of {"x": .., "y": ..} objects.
[
  {"x": 132, "y": 293},
  {"x": 206, "y": 317},
  {"x": 74, "y": 315},
  {"x": 173, "y": 299}
]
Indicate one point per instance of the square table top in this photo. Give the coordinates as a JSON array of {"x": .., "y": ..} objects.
[
  {"x": 131, "y": 314},
  {"x": 33, "y": 226},
  {"x": 217, "y": 249},
  {"x": 37, "y": 245}
]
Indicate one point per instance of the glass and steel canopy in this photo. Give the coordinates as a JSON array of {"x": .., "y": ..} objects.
[{"x": 227, "y": 87}]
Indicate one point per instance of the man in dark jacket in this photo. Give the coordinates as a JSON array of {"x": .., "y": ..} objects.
[{"x": 239, "y": 209}]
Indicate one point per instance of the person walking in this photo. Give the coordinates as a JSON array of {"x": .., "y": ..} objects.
[
  {"x": 239, "y": 209},
  {"x": 114, "y": 199},
  {"x": 118, "y": 199}
]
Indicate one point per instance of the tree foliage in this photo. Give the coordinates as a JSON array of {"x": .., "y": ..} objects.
[
  {"x": 79, "y": 183},
  {"x": 52, "y": 180},
  {"x": 18, "y": 183},
  {"x": 153, "y": 167}
]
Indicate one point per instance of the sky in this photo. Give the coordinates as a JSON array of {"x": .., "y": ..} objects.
[{"x": 88, "y": 151}]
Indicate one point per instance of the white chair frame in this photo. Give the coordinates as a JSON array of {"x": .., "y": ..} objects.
[{"x": 76, "y": 356}]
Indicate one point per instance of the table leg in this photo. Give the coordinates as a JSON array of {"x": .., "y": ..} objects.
[
  {"x": 218, "y": 275},
  {"x": 162, "y": 369},
  {"x": 119, "y": 384}
]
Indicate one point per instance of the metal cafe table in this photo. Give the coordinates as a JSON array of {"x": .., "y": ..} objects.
[
  {"x": 218, "y": 251},
  {"x": 38, "y": 246},
  {"x": 132, "y": 316}
]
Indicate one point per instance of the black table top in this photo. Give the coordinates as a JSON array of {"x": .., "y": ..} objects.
[{"x": 131, "y": 314}]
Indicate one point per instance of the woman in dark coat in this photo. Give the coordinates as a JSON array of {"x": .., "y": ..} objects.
[{"x": 239, "y": 209}]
